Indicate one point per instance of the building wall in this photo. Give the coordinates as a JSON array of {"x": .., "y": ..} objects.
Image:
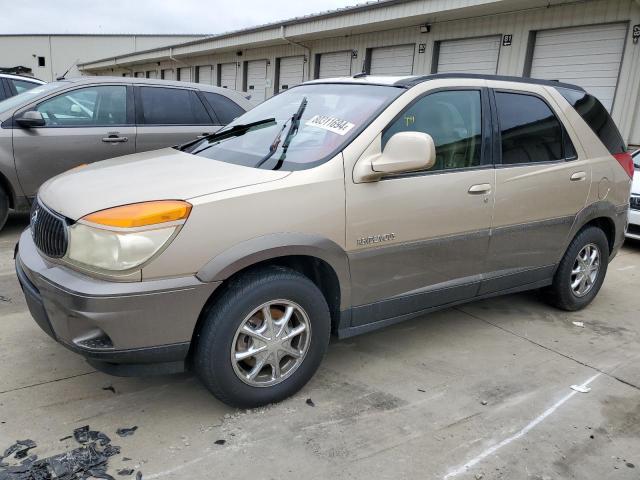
[
  {"x": 62, "y": 51},
  {"x": 511, "y": 60}
]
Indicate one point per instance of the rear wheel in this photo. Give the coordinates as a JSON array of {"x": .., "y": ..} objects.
[
  {"x": 4, "y": 208},
  {"x": 581, "y": 271},
  {"x": 263, "y": 339}
]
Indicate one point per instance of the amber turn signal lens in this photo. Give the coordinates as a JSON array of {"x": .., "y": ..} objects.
[{"x": 141, "y": 214}]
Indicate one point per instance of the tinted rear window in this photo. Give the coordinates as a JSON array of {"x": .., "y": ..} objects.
[
  {"x": 226, "y": 110},
  {"x": 597, "y": 117},
  {"x": 172, "y": 106}
]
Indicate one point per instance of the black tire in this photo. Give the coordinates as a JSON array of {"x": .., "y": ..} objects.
[
  {"x": 560, "y": 294},
  {"x": 4, "y": 208},
  {"x": 212, "y": 355}
]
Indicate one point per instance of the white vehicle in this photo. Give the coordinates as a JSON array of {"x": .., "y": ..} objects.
[
  {"x": 634, "y": 204},
  {"x": 11, "y": 85}
]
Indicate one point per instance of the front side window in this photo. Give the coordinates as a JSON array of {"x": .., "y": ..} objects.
[
  {"x": 454, "y": 121},
  {"x": 331, "y": 115},
  {"x": 95, "y": 106},
  {"x": 530, "y": 131},
  {"x": 172, "y": 106},
  {"x": 28, "y": 95}
]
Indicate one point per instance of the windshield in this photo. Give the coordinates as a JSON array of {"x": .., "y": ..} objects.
[
  {"x": 27, "y": 96},
  {"x": 325, "y": 117}
]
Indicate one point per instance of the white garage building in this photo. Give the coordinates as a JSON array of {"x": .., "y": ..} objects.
[{"x": 592, "y": 43}]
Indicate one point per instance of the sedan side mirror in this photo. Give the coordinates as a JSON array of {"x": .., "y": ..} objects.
[
  {"x": 406, "y": 152},
  {"x": 31, "y": 119}
]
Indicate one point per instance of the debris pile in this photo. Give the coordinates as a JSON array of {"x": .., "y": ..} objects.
[{"x": 89, "y": 460}]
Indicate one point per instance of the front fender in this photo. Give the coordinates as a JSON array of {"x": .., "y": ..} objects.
[{"x": 267, "y": 247}]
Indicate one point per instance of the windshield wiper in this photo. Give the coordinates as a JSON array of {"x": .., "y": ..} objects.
[
  {"x": 235, "y": 130},
  {"x": 293, "y": 129}
]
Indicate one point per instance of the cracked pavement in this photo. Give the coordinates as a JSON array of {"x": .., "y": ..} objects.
[{"x": 485, "y": 384}]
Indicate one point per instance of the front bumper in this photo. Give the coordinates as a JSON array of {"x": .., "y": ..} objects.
[
  {"x": 633, "y": 230},
  {"x": 117, "y": 326}
]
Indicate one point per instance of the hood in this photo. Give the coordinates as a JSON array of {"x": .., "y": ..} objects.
[{"x": 166, "y": 174}]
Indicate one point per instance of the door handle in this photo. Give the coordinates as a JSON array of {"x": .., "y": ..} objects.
[
  {"x": 115, "y": 139},
  {"x": 578, "y": 176},
  {"x": 480, "y": 189}
]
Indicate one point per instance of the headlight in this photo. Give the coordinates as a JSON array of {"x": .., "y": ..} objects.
[{"x": 125, "y": 237}]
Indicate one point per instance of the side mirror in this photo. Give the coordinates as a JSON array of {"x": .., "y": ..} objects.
[
  {"x": 406, "y": 152},
  {"x": 31, "y": 119}
]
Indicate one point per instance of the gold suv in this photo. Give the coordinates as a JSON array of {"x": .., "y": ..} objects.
[{"x": 340, "y": 205}]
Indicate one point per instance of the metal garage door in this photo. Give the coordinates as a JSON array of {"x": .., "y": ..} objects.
[
  {"x": 152, "y": 74},
  {"x": 396, "y": 60},
  {"x": 469, "y": 55},
  {"x": 587, "y": 56},
  {"x": 335, "y": 64},
  {"x": 228, "y": 75},
  {"x": 184, "y": 74},
  {"x": 139, "y": 75},
  {"x": 291, "y": 72},
  {"x": 256, "y": 80},
  {"x": 168, "y": 74},
  {"x": 205, "y": 74}
]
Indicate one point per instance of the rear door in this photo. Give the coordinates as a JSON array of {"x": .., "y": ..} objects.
[
  {"x": 169, "y": 116},
  {"x": 83, "y": 125},
  {"x": 541, "y": 185}
]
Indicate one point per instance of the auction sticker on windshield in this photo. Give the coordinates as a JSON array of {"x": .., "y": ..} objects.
[{"x": 333, "y": 124}]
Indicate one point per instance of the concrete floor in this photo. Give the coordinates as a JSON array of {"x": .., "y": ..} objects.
[{"x": 478, "y": 391}]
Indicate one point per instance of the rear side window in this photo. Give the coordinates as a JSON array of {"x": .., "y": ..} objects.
[
  {"x": 172, "y": 106},
  {"x": 225, "y": 109},
  {"x": 597, "y": 117},
  {"x": 530, "y": 131}
]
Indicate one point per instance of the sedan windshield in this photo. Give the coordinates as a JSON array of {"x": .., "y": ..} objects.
[
  {"x": 299, "y": 128},
  {"x": 27, "y": 96}
]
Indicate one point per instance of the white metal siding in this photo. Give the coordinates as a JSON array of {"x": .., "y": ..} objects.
[
  {"x": 469, "y": 55},
  {"x": 588, "y": 56},
  {"x": 257, "y": 80},
  {"x": 185, "y": 74},
  {"x": 205, "y": 74},
  {"x": 168, "y": 74},
  {"x": 291, "y": 72},
  {"x": 335, "y": 64},
  {"x": 228, "y": 75},
  {"x": 396, "y": 60}
]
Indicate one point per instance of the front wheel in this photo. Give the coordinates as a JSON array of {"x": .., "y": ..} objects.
[
  {"x": 263, "y": 339},
  {"x": 581, "y": 271}
]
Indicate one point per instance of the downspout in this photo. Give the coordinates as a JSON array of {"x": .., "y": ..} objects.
[{"x": 307, "y": 49}]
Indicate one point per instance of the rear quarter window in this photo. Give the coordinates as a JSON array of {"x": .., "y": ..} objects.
[
  {"x": 226, "y": 110},
  {"x": 597, "y": 117}
]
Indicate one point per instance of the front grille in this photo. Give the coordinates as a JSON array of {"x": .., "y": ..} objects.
[
  {"x": 49, "y": 231},
  {"x": 634, "y": 203}
]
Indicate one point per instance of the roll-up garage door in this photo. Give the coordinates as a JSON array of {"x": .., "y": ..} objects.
[
  {"x": 469, "y": 55},
  {"x": 185, "y": 74},
  {"x": 168, "y": 74},
  {"x": 396, "y": 60},
  {"x": 139, "y": 75},
  {"x": 205, "y": 74},
  {"x": 588, "y": 56},
  {"x": 152, "y": 74},
  {"x": 335, "y": 64},
  {"x": 256, "y": 80},
  {"x": 291, "y": 72},
  {"x": 228, "y": 75}
]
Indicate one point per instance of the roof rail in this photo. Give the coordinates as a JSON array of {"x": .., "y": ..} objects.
[{"x": 413, "y": 81}]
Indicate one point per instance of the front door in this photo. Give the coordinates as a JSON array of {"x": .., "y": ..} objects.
[
  {"x": 170, "y": 116},
  {"x": 81, "y": 126},
  {"x": 419, "y": 240},
  {"x": 541, "y": 185}
]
